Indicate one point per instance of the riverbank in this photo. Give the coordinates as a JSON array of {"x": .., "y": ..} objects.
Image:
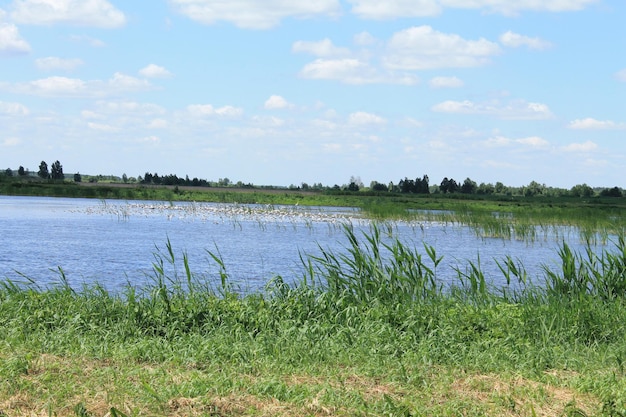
[{"x": 366, "y": 332}]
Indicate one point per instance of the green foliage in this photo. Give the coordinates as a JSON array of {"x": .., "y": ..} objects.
[{"x": 376, "y": 309}]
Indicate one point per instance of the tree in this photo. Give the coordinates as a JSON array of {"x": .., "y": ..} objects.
[
  {"x": 448, "y": 186},
  {"x": 20, "y": 171},
  {"x": 43, "y": 170},
  {"x": 78, "y": 177},
  {"x": 469, "y": 186},
  {"x": 124, "y": 178},
  {"x": 612, "y": 192},
  {"x": 421, "y": 185},
  {"x": 56, "y": 172},
  {"x": 8, "y": 172},
  {"x": 581, "y": 190}
]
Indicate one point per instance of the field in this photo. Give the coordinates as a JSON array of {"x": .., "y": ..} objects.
[{"x": 368, "y": 332}]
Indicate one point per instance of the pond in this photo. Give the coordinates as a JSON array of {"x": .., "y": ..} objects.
[{"x": 115, "y": 243}]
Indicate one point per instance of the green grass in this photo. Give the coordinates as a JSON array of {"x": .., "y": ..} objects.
[{"x": 369, "y": 331}]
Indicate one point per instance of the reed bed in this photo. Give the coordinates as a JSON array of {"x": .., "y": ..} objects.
[{"x": 370, "y": 330}]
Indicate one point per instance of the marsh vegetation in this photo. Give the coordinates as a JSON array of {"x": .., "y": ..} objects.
[{"x": 368, "y": 331}]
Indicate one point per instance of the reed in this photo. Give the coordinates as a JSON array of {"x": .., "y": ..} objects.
[{"x": 368, "y": 330}]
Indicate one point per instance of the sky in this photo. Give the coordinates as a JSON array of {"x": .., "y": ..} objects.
[{"x": 281, "y": 92}]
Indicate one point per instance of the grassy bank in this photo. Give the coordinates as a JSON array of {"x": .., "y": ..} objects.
[{"x": 370, "y": 331}]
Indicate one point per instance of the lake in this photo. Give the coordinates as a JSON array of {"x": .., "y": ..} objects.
[{"x": 114, "y": 243}]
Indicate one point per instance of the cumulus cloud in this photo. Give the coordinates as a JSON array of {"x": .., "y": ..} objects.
[
  {"x": 208, "y": 110},
  {"x": 74, "y": 87},
  {"x": 11, "y": 43},
  {"x": 514, "y": 40},
  {"x": 53, "y": 63},
  {"x": 593, "y": 124},
  {"x": 422, "y": 48},
  {"x": 252, "y": 14},
  {"x": 514, "y": 110},
  {"x": 390, "y": 9},
  {"x": 353, "y": 71},
  {"x": 580, "y": 147},
  {"x": 446, "y": 82},
  {"x": 323, "y": 48},
  {"x": 155, "y": 71},
  {"x": 394, "y": 61},
  {"x": 92, "y": 13},
  {"x": 277, "y": 102}
]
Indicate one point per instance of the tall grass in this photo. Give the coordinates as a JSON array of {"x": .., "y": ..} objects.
[{"x": 376, "y": 309}]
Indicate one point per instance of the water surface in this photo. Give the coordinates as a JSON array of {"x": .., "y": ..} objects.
[{"x": 114, "y": 243}]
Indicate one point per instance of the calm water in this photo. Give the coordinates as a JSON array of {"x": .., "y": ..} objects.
[{"x": 114, "y": 242}]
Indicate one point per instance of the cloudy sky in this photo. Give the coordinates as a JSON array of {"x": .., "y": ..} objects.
[{"x": 282, "y": 92}]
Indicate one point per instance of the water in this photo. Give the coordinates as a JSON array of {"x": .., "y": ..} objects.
[{"x": 114, "y": 243}]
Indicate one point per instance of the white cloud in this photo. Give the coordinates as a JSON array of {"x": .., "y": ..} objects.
[
  {"x": 501, "y": 141},
  {"x": 361, "y": 118},
  {"x": 446, "y": 82},
  {"x": 11, "y": 43},
  {"x": 13, "y": 109},
  {"x": 533, "y": 141},
  {"x": 102, "y": 127},
  {"x": 422, "y": 47},
  {"x": 390, "y": 9},
  {"x": 155, "y": 71},
  {"x": 52, "y": 63},
  {"x": 73, "y": 87},
  {"x": 277, "y": 102},
  {"x": 253, "y": 14},
  {"x": 353, "y": 71},
  {"x": 621, "y": 75},
  {"x": 590, "y": 123},
  {"x": 514, "y": 40},
  {"x": 323, "y": 48},
  {"x": 512, "y": 8},
  {"x": 202, "y": 110},
  {"x": 514, "y": 110},
  {"x": 580, "y": 147},
  {"x": 93, "y": 42},
  {"x": 91, "y": 13}
]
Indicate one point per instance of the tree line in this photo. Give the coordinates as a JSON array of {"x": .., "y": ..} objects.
[{"x": 406, "y": 185}]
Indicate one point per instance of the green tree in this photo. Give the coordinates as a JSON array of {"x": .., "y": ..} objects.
[
  {"x": 78, "y": 177},
  {"x": 8, "y": 172},
  {"x": 581, "y": 190},
  {"x": 469, "y": 186},
  {"x": 43, "y": 170},
  {"x": 20, "y": 171},
  {"x": 56, "y": 171}
]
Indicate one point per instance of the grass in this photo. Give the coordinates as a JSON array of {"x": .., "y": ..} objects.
[{"x": 368, "y": 331}]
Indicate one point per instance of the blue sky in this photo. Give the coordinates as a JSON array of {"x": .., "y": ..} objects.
[{"x": 280, "y": 92}]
